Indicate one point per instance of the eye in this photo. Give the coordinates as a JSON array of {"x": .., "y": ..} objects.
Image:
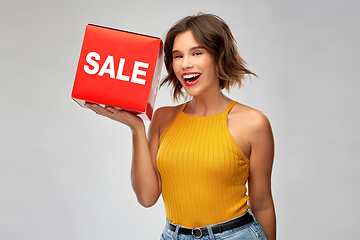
[
  {"x": 197, "y": 53},
  {"x": 177, "y": 56}
]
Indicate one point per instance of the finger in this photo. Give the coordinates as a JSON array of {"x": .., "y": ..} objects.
[
  {"x": 114, "y": 110},
  {"x": 122, "y": 116},
  {"x": 111, "y": 109},
  {"x": 98, "y": 109},
  {"x": 121, "y": 112},
  {"x": 90, "y": 106}
]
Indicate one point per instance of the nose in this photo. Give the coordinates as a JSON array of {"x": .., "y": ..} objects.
[{"x": 187, "y": 63}]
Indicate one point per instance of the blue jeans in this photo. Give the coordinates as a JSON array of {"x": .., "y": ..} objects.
[{"x": 250, "y": 231}]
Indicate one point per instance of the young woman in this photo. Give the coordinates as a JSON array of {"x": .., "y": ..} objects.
[{"x": 199, "y": 155}]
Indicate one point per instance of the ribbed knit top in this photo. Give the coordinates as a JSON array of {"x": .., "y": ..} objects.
[{"x": 203, "y": 171}]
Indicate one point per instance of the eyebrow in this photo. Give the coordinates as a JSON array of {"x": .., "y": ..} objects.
[{"x": 191, "y": 49}]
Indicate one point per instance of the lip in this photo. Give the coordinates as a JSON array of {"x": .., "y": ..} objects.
[{"x": 191, "y": 83}]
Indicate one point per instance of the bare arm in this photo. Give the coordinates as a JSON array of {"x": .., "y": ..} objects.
[
  {"x": 145, "y": 179},
  {"x": 261, "y": 161}
]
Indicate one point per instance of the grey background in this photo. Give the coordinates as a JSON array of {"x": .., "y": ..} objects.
[{"x": 65, "y": 172}]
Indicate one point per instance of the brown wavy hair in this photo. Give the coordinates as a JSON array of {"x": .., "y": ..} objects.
[{"x": 212, "y": 33}]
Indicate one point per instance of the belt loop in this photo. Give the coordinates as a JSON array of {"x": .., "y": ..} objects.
[
  {"x": 176, "y": 232},
  {"x": 220, "y": 229},
  {"x": 211, "y": 234}
]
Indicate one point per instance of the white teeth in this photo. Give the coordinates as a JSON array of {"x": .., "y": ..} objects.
[{"x": 191, "y": 75}]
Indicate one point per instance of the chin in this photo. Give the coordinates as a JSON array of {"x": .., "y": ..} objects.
[{"x": 193, "y": 93}]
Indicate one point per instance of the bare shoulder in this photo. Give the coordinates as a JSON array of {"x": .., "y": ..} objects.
[
  {"x": 164, "y": 116},
  {"x": 167, "y": 110},
  {"x": 248, "y": 123},
  {"x": 249, "y": 116},
  {"x": 250, "y": 128}
]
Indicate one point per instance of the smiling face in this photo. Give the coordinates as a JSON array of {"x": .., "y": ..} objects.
[{"x": 193, "y": 65}]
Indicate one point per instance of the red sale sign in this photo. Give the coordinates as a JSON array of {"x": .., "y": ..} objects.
[{"x": 119, "y": 69}]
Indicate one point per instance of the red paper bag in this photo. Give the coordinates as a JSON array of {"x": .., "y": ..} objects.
[{"x": 119, "y": 69}]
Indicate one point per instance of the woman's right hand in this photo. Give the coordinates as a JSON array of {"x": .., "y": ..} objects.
[{"x": 125, "y": 117}]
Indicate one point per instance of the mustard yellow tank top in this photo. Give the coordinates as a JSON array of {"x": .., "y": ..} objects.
[{"x": 203, "y": 171}]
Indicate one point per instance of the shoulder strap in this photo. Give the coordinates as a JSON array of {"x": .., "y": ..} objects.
[
  {"x": 229, "y": 107},
  {"x": 183, "y": 107}
]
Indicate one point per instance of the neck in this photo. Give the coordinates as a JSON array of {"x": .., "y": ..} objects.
[{"x": 207, "y": 105}]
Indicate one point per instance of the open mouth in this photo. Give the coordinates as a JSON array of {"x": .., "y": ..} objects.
[{"x": 190, "y": 78}]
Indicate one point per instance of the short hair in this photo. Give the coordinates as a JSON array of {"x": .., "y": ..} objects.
[{"x": 215, "y": 36}]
